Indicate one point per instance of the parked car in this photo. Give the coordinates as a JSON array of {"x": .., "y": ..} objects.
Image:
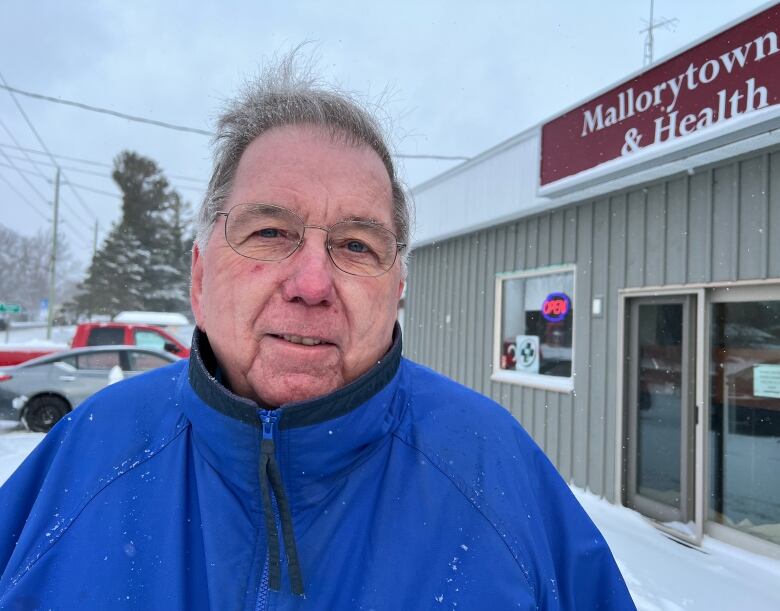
[
  {"x": 128, "y": 334},
  {"x": 103, "y": 334},
  {"x": 41, "y": 391}
]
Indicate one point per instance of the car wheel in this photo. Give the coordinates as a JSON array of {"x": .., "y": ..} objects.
[{"x": 44, "y": 412}]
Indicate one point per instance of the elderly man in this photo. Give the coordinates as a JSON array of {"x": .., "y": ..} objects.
[{"x": 297, "y": 461}]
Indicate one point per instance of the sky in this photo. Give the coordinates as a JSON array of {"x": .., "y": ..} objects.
[{"x": 453, "y": 78}]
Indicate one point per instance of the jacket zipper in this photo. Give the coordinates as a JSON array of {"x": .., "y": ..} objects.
[
  {"x": 282, "y": 549},
  {"x": 262, "y": 592},
  {"x": 268, "y": 420}
]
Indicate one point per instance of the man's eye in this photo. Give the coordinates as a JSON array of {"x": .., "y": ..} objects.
[
  {"x": 269, "y": 232},
  {"x": 357, "y": 247}
]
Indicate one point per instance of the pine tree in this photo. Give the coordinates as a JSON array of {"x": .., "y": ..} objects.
[
  {"x": 141, "y": 265},
  {"x": 169, "y": 262},
  {"x": 115, "y": 279}
]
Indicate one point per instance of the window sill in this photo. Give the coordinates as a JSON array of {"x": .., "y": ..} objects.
[{"x": 543, "y": 382}]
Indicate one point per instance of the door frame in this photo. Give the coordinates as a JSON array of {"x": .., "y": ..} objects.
[
  {"x": 699, "y": 400},
  {"x": 684, "y": 513},
  {"x": 707, "y": 293}
]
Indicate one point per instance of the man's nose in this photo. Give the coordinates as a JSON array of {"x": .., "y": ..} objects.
[{"x": 311, "y": 272}]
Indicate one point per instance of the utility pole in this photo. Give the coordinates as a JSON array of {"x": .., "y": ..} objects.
[
  {"x": 94, "y": 241},
  {"x": 94, "y": 255},
  {"x": 53, "y": 259},
  {"x": 649, "y": 39}
]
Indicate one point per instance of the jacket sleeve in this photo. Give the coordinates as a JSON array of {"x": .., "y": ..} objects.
[
  {"x": 585, "y": 573},
  {"x": 21, "y": 497}
]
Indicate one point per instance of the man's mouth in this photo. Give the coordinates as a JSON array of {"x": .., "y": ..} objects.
[{"x": 300, "y": 339}]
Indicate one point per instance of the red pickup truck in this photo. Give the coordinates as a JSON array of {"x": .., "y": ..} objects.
[{"x": 103, "y": 333}]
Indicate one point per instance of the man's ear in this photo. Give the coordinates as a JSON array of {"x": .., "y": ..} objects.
[{"x": 196, "y": 288}]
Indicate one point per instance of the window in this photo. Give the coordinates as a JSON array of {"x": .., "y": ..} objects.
[
  {"x": 144, "y": 361},
  {"x": 535, "y": 328},
  {"x": 745, "y": 417},
  {"x": 69, "y": 362},
  {"x": 98, "y": 361},
  {"x": 149, "y": 339},
  {"x": 106, "y": 336}
]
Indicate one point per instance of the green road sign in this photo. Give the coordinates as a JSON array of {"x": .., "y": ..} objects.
[{"x": 10, "y": 308}]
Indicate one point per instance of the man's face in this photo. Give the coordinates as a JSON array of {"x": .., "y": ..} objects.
[{"x": 247, "y": 307}]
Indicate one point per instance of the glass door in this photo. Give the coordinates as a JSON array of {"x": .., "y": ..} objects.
[
  {"x": 661, "y": 410},
  {"x": 744, "y": 396}
]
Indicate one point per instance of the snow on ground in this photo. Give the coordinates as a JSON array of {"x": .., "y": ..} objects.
[
  {"x": 26, "y": 335},
  {"x": 15, "y": 444},
  {"x": 661, "y": 574},
  {"x": 664, "y": 575}
]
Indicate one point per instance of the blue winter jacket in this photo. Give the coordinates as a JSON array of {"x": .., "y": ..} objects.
[{"x": 400, "y": 491}]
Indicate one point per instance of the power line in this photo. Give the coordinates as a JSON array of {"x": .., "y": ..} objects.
[
  {"x": 23, "y": 198},
  {"x": 27, "y": 180},
  {"x": 181, "y": 128},
  {"x": 26, "y": 118},
  {"x": 38, "y": 173},
  {"x": 37, "y": 152},
  {"x": 79, "y": 198},
  {"x": 64, "y": 167},
  {"x": 106, "y": 111},
  {"x": 24, "y": 170},
  {"x": 33, "y": 207},
  {"x": 43, "y": 145},
  {"x": 50, "y": 181},
  {"x": 75, "y": 231},
  {"x": 93, "y": 190},
  {"x": 101, "y": 175},
  {"x": 94, "y": 163},
  {"x": 26, "y": 156}
]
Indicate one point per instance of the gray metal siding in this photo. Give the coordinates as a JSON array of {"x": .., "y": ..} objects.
[
  {"x": 721, "y": 223},
  {"x": 772, "y": 240}
]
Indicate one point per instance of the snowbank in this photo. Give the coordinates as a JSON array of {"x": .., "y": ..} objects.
[{"x": 664, "y": 575}]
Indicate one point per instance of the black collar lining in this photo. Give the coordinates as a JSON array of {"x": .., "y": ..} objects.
[{"x": 203, "y": 366}]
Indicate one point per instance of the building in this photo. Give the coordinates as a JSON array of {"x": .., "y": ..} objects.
[{"x": 612, "y": 277}]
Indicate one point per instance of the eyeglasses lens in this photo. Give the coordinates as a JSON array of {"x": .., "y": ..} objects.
[
  {"x": 272, "y": 233},
  {"x": 266, "y": 233}
]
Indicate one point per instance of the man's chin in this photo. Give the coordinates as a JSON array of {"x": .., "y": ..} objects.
[{"x": 287, "y": 388}]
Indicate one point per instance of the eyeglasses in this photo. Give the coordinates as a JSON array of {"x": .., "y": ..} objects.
[{"x": 271, "y": 233}]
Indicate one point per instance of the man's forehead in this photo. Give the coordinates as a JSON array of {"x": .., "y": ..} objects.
[
  {"x": 312, "y": 148},
  {"x": 299, "y": 166}
]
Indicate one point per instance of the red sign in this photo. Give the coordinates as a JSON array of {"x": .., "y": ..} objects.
[
  {"x": 731, "y": 74},
  {"x": 556, "y": 306}
]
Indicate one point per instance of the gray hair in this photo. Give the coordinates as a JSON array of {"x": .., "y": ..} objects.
[{"x": 285, "y": 94}]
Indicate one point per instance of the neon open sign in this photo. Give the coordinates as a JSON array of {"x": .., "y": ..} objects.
[{"x": 556, "y": 307}]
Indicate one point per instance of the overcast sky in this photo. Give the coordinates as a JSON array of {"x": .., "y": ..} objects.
[{"x": 462, "y": 77}]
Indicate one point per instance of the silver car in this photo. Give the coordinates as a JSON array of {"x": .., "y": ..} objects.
[{"x": 41, "y": 391}]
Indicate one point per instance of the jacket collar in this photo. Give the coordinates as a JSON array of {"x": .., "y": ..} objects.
[
  {"x": 204, "y": 380},
  {"x": 318, "y": 440}
]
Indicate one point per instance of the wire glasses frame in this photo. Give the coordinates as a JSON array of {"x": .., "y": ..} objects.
[{"x": 267, "y": 232}]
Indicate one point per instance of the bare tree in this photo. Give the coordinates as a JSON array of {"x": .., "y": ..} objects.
[{"x": 24, "y": 269}]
